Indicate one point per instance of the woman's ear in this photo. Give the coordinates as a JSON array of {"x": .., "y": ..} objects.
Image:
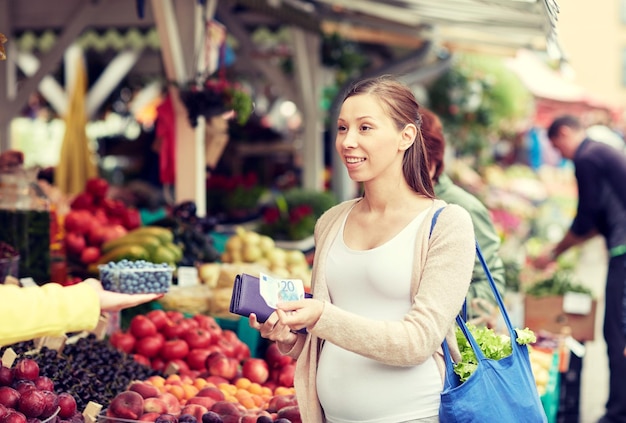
[{"x": 409, "y": 133}]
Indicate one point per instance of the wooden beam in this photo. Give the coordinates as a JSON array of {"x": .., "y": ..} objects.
[
  {"x": 169, "y": 36},
  {"x": 372, "y": 35},
  {"x": 112, "y": 75},
  {"x": 246, "y": 50},
  {"x": 49, "y": 88},
  {"x": 80, "y": 19}
]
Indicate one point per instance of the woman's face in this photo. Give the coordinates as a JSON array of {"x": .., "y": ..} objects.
[{"x": 368, "y": 141}]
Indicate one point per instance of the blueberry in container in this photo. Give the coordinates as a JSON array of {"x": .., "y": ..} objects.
[{"x": 136, "y": 277}]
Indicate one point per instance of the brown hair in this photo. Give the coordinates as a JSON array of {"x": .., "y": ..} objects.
[
  {"x": 561, "y": 121},
  {"x": 434, "y": 141},
  {"x": 400, "y": 104}
]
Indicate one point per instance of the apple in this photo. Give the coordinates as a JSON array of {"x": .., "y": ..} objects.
[
  {"x": 150, "y": 346},
  {"x": 67, "y": 404},
  {"x": 52, "y": 403},
  {"x": 14, "y": 416},
  {"x": 44, "y": 383},
  {"x": 26, "y": 369},
  {"x": 123, "y": 341},
  {"x": 141, "y": 326},
  {"x": 154, "y": 405},
  {"x": 255, "y": 369},
  {"x": 173, "y": 405},
  {"x": 6, "y": 376},
  {"x": 218, "y": 364},
  {"x": 145, "y": 389},
  {"x": 127, "y": 405},
  {"x": 9, "y": 397},
  {"x": 78, "y": 221},
  {"x": 32, "y": 403},
  {"x": 149, "y": 417},
  {"x": 96, "y": 234}
]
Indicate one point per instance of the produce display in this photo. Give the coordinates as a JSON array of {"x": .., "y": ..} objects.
[
  {"x": 26, "y": 396},
  {"x": 136, "y": 277},
  {"x": 89, "y": 369}
]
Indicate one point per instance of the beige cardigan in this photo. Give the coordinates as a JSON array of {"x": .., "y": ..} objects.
[{"x": 443, "y": 270}]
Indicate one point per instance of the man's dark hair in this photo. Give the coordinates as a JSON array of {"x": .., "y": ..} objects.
[{"x": 565, "y": 120}]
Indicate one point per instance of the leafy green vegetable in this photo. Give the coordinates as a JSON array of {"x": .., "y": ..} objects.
[
  {"x": 494, "y": 346},
  {"x": 561, "y": 282}
]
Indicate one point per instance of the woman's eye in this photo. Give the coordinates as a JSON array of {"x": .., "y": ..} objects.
[
  {"x": 341, "y": 128},
  {"x": 365, "y": 127}
]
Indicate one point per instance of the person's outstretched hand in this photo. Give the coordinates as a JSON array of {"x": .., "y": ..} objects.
[{"x": 115, "y": 301}]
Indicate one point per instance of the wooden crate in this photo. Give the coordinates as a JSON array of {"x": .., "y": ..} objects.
[{"x": 546, "y": 313}]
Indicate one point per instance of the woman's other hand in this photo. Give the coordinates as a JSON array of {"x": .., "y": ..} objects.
[{"x": 273, "y": 329}]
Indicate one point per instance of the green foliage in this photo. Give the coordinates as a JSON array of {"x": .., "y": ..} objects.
[
  {"x": 493, "y": 346},
  {"x": 559, "y": 283},
  {"x": 478, "y": 98}
]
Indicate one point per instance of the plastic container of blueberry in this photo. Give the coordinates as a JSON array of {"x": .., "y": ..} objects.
[{"x": 136, "y": 277}]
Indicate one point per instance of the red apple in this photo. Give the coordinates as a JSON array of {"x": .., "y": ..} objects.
[
  {"x": 9, "y": 397},
  {"x": 145, "y": 389},
  {"x": 255, "y": 369},
  {"x": 67, "y": 404},
  {"x": 32, "y": 403},
  {"x": 127, "y": 405}
]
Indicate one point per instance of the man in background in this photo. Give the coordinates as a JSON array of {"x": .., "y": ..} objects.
[{"x": 600, "y": 172}]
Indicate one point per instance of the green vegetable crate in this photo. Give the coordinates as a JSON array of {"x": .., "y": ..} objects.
[{"x": 550, "y": 399}]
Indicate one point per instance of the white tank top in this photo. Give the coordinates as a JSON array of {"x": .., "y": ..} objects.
[{"x": 375, "y": 284}]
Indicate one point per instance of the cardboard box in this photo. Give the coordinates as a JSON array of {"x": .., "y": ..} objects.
[{"x": 547, "y": 313}]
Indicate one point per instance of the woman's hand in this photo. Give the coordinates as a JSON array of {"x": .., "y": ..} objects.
[
  {"x": 116, "y": 301},
  {"x": 300, "y": 314},
  {"x": 273, "y": 329}
]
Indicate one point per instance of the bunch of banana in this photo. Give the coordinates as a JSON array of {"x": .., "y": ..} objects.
[{"x": 151, "y": 243}]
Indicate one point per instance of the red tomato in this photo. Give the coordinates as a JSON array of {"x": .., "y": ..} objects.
[
  {"x": 150, "y": 346},
  {"x": 78, "y": 221},
  {"x": 175, "y": 316},
  {"x": 75, "y": 243},
  {"x": 97, "y": 187},
  {"x": 123, "y": 341},
  {"x": 209, "y": 323},
  {"x": 131, "y": 219},
  {"x": 173, "y": 349},
  {"x": 158, "y": 317},
  {"x": 90, "y": 255},
  {"x": 141, "y": 359},
  {"x": 197, "y": 338},
  {"x": 173, "y": 330},
  {"x": 197, "y": 358},
  {"x": 141, "y": 326}
]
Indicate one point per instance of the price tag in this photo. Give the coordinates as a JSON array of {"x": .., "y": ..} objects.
[
  {"x": 8, "y": 357},
  {"x": 11, "y": 280},
  {"x": 187, "y": 276},
  {"x": 575, "y": 347},
  {"x": 101, "y": 328},
  {"x": 27, "y": 282},
  {"x": 91, "y": 412},
  {"x": 576, "y": 303}
]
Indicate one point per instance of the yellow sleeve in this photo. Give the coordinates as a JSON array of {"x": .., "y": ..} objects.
[{"x": 49, "y": 310}]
